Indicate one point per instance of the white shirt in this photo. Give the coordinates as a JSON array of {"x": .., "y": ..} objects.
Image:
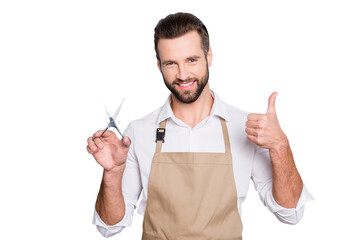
[{"x": 249, "y": 160}]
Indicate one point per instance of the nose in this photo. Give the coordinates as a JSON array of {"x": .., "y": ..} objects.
[{"x": 183, "y": 72}]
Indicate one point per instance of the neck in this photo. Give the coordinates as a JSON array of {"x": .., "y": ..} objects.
[{"x": 193, "y": 113}]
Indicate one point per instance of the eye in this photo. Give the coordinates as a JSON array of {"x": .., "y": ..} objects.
[
  {"x": 169, "y": 63},
  {"x": 192, "y": 60}
]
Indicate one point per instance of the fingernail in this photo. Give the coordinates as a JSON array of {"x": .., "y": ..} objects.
[{"x": 93, "y": 148}]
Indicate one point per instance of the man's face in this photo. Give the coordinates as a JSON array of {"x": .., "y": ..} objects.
[{"x": 184, "y": 66}]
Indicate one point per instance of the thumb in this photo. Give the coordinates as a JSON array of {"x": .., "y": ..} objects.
[
  {"x": 126, "y": 141},
  {"x": 271, "y": 105}
]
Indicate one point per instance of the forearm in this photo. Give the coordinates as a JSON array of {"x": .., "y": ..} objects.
[
  {"x": 110, "y": 203},
  {"x": 287, "y": 182}
]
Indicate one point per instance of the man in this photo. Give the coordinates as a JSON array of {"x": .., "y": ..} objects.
[{"x": 194, "y": 157}]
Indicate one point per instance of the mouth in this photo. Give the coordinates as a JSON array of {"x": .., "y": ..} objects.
[{"x": 187, "y": 86}]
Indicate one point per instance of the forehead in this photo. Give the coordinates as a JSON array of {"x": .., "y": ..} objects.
[{"x": 180, "y": 47}]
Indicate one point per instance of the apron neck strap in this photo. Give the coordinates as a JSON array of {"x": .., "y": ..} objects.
[
  {"x": 159, "y": 143},
  {"x": 226, "y": 135},
  {"x": 224, "y": 129}
]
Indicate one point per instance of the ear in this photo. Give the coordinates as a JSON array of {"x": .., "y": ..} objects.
[{"x": 209, "y": 57}]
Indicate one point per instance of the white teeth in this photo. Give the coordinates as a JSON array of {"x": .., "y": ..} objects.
[{"x": 187, "y": 84}]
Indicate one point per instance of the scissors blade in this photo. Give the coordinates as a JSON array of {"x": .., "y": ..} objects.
[
  {"x": 118, "y": 110},
  {"x": 107, "y": 112},
  {"x": 115, "y": 126},
  {"x": 112, "y": 119}
]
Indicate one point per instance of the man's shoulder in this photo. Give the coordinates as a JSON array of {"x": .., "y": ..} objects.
[
  {"x": 148, "y": 120},
  {"x": 236, "y": 121},
  {"x": 235, "y": 113},
  {"x": 223, "y": 108}
]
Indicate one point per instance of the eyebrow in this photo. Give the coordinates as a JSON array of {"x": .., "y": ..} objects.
[
  {"x": 191, "y": 57},
  {"x": 195, "y": 56},
  {"x": 166, "y": 62}
]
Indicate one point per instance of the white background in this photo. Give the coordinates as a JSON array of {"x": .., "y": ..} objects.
[{"x": 60, "y": 61}]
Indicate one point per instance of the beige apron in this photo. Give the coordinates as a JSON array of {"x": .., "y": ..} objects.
[{"x": 192, "y": 195}]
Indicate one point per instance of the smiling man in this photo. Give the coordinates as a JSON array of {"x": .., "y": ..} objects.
[
  {"x": 185, "y": 73},
  {"x": 193, "y": 158}
]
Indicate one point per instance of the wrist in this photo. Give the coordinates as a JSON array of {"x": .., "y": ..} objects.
[
  {"x": 113, "y": 176},
  {"x": 281, "y": 147},
  {"x": 115, "y": 170}
]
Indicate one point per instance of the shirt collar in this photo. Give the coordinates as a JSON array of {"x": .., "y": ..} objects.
[{"x": 218, "y": 109}]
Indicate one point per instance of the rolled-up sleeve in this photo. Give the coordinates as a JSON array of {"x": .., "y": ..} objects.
[
  {"x": 289, "y": 215},
  {"x": 111, "y": 230},
  {"x": 262, "y": 178},
  {"x": 131, "y": 189}
]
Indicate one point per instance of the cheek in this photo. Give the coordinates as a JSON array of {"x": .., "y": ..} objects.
[
  {"x": 201, "y": 70},
  {"x": 169, "y": 74}
]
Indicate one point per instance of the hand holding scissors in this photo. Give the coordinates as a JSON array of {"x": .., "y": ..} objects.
[{"x": 108, "y": 150}]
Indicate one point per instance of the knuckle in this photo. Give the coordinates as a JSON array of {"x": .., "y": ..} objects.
[
  {"x": 89, "y": 150},
  {"x": 98, "y": 142},
  {"x": 260, "y": 132}
]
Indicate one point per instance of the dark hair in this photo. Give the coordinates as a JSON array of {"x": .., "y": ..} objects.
[{"x": 175, "y": 25}]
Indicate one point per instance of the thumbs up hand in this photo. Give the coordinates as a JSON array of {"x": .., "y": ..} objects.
[{"x": 264, "y": 129}]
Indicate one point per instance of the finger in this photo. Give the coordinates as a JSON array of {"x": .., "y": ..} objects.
[
  {"x": 271, "y": 103},
  {"x": 91, "y": 145},
  {"x": 251, "y": 131},
  {"x": 108, "y": 134},
  {"x": 126, "y": 141},
  {"x": 256, "y": 117},
  {"x": 252, "y": 124},
  {"x": 252, "y": 138},
  {"x": 97, "y": 133},
  {"x": 89, "y": 150},
  {"x": 99, "y": 143}
]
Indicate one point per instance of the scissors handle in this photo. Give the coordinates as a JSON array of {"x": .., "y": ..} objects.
[
  {"x": 103, "y": 132},
  {"x": 122, "y": 137}
]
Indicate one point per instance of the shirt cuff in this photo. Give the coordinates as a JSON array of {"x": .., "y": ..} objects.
[
  {"x": 111, "y": 230},
  {"x": 290, "y": 215}
]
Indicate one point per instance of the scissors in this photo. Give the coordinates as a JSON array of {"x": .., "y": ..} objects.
[{"x": 112, "y": 120}]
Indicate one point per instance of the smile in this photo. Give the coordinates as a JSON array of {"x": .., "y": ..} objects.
[{"x": 187, "y": 86}]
